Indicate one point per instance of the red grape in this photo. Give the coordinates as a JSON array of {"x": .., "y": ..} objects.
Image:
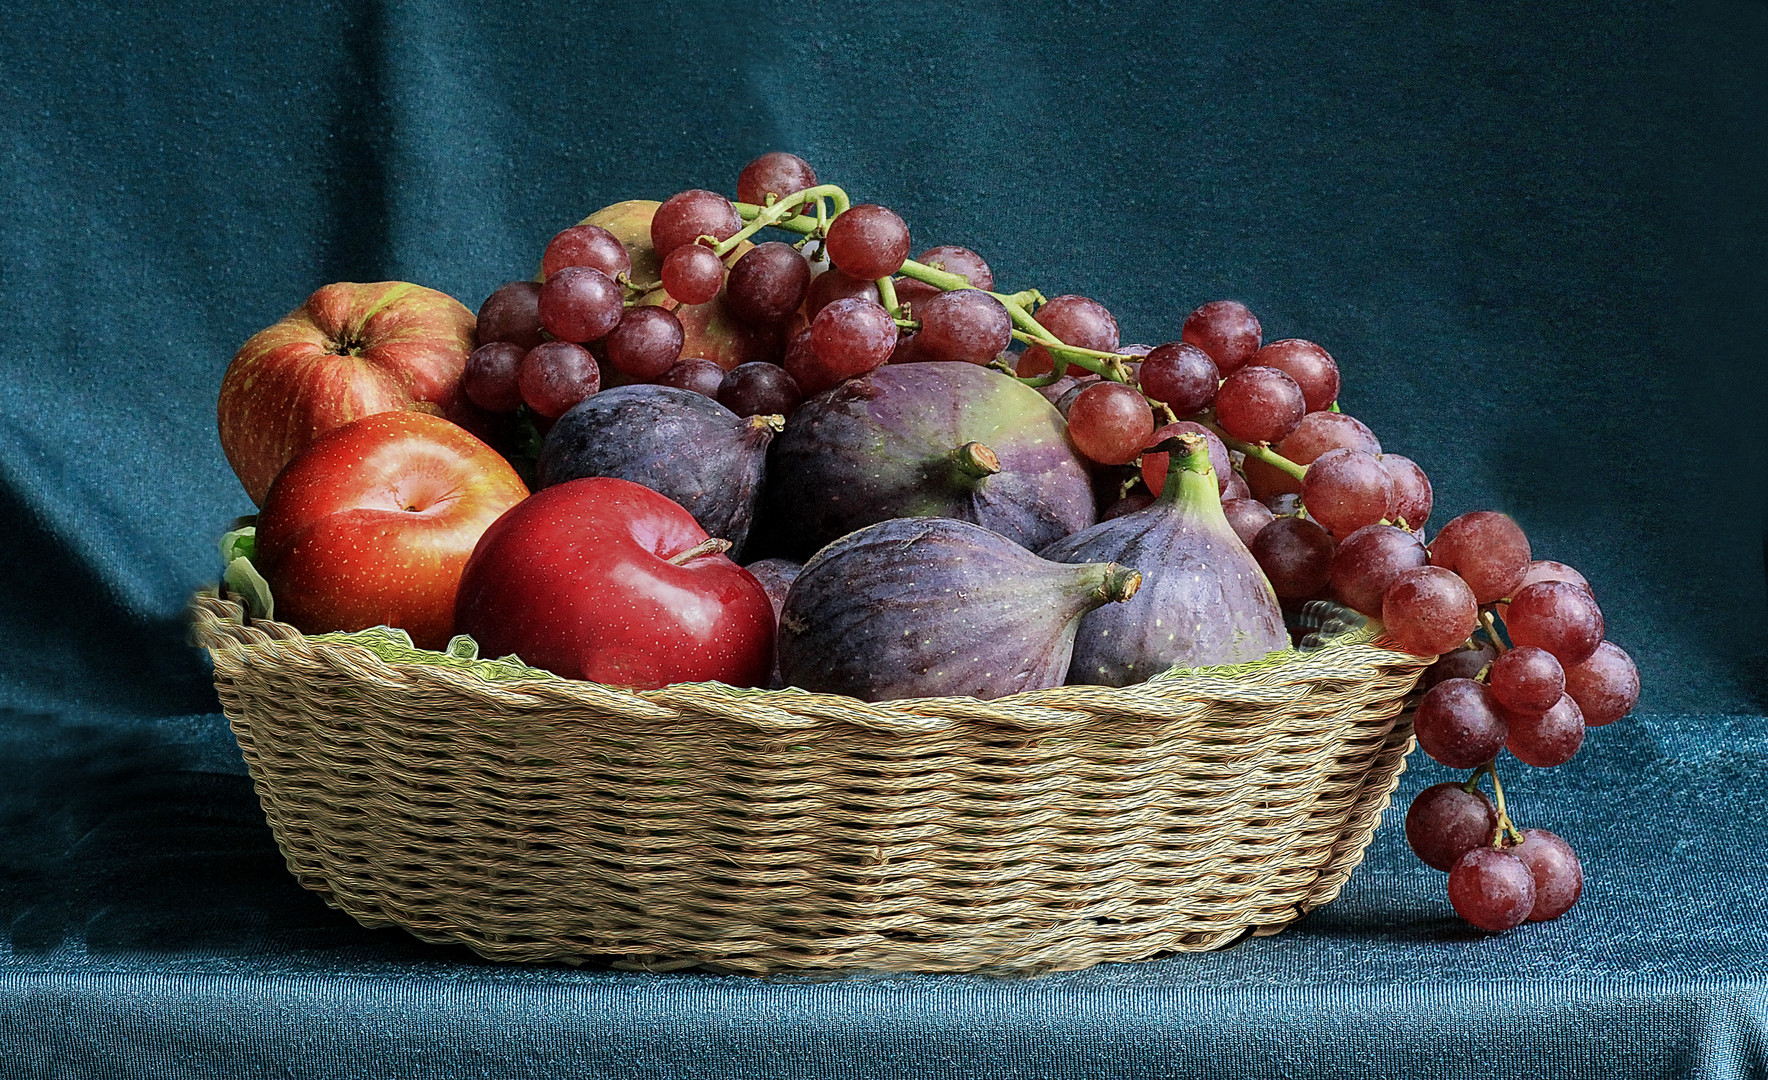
[
  {"x": 694, "y": 373},
  {"x": 778, "y": 174},
  {"x": 1429, "y": 610},
  {"x": 853, "y": 336},
  {"x": 645, "y": 344},
  {"x": 1487, "y": 549},
  {"x": 1412, "y": 495},
  {"x": 1110, "y": 422},
  {"x": 807, "y": 369},
  {"x": 1075, "y": 320},
  {"x": 767, "y": 284},
  {"x": 910, "y": 291},
  {"x": 580, "y": 304},
  {"x": 1346, "y": 490},
  {"x": 689, "y": 215},
  {"x": 1247, "y": 517},
  {"x": 512, "y": 314},
  {"x": 1547, "y": 570},
  {"x": 586, "y": 245},
  {"x": 1527, "y": 679},
  {"x": 1557, "y": 616},
  {"x": 961, "y": 261},
  {"x": 1446, "y": 821},
  {"x": 1227, "y": 331},
  {"x": 1129, "y": 504},
  {"x": 556, "y": 375},
  {"x": 1559, "y": 877},
  {"x": 1462, "y": 663},
  {"x": 832, "y": 285},
  {"x": 965, "y": 325},
  {"x": 868, "y": 241},
  {"x": 1155, "y": 465},
  {"x": 490, "y": 376},
  {"x": 1605, "y": 686},
  {"x": 1296, "y": 555},
  {"x": 1259, "y": 405},
  {"x": 1316, "y": 434},
  {"x": 1312, "y": 368},
  {"x": 1183, "y": 376},
  {"x": 1368, "y": 561},
  {"x": 759, "y": 389},
  {"x": 1458, "y": 724},
  {"x": 1545, "y": 739},
  {"x": 1235, "y": 487},
  {"x": 1492, "y": 889},
  {"x": 692, "y": 274}
]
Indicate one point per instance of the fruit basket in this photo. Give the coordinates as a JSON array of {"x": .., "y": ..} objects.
[{"x": 533, "y": 818}]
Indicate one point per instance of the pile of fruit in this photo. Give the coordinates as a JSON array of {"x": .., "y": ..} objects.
[{"x": 816, "y": 462}]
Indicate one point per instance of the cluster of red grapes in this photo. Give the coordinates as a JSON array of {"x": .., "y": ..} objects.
[{"x": 1308, "y": 488}]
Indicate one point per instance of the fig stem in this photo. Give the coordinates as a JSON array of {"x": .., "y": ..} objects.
[
  {"x": 1121, "y": 583},
  {"x": 974, "y": 461},
  {"x": 710, "y": 546}
]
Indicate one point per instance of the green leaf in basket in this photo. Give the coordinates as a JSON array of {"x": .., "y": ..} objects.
[
  {"x": 241, "y": 543},
  {"x": 394, "y": 646},
  {"x": 243, "y": 581}
]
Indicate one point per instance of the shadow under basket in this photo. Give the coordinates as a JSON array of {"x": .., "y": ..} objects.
[{"x": 533, "y": 818}]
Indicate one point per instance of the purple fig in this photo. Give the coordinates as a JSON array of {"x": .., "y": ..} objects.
[
  {"x": 932, "y": 607},
  {"x": 676, "y": 442},
  {"x": 926, "y": 440},
  {"x": 776, "y": 576},
  {"x": 1203, "y": 599}
]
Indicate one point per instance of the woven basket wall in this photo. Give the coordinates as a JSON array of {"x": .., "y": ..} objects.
[{"x": 759, "y": 831}]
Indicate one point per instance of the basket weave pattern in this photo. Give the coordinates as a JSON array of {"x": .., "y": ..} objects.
[{"x": 759, "y": 831}]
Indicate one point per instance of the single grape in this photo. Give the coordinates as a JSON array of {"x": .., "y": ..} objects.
[
  {"x": 767, "y": 284},
  {"x": 1547, "y": 570},
  {"x": 1180, "y": 375},
  {"x": 1458, "y": 724},
  {"x": 868, "y": 241},
  {"x": 1296, "y": 555},
  {"x": 646, "y": 344},
  {"x": 1492, "y": 889},
  {"x": 1559, "y": 877},
  {"x": 778, "y": 174},
  {"x": 832, "y": 285},
  {"x": 1247, "y": 517},
  {"x": 1369, "y": 560},
  {"x": 759, "y": 389},
  {"x": 580, "y": 304},
  {"x": 808, "y": 370},
  {"x": 1605, "y": 686},
  {"x": 1346, "y": 490},
  {"x": 1527, "y": 679},
  {"x": 853, "y": 336},
  {"x": 907, "y": 350},
  {"x": 692, "y": 274},
  {"x": 1259, "y": 405},
  {"x": 694, "y": 373},
  {"x": 1429, "y": 610},
  {"x": 1155, "y": 464},
  {"x": 1236, "y": 488},
  {"x": 686, "y": 216},
  {"x": 1558, "y": 616},
  {"x": 1459, "y": 663},
  {"x": 1545, "y": 739},
  {"x": 1446, "y": 821},
  {"x": 1412, "y": 494},
  {"x": 556, "y": 375},
  {"x": 586, "y": 245},
  {"x": 512, "y": 314},
  {"x": 1312, "y": 368},
  {"x": 1316, "y": 434},
  {"x": 1110, "y": 422},
  {"x": 961, "y": 261},
  {"x": 1129, "y": 504},
  {"x": 490, "y": 376},
  {"x": 911, "y": 292},
  {"x": 1487, "y": 549},
  {"x": 1075, "y": 320},
  {"x": 964, "y": 325},
  {"x": 1227, "y": 331}
]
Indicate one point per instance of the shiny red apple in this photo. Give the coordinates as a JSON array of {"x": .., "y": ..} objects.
[
  {"x": 351, "y": 350},
  {"x": 605, "y": 580},
  {"x": 372, "y": 524}
]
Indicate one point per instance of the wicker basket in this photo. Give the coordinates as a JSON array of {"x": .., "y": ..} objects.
[{"x": 755, "y": 831}]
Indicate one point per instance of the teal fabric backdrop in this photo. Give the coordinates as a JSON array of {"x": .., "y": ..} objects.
[{"x": 1531, "y": 234}]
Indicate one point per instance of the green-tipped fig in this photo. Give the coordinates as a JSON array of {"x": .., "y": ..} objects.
[
  {"x": 931, "y": 607},
  {"x": 1203, "y": 600},
  {"x": 925, "y": 440}
]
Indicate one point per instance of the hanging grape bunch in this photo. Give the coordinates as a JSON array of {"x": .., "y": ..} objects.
[{"x": 687, "y": 294}]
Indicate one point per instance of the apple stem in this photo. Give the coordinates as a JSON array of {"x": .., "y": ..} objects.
[{"x": 710, "y": 546}]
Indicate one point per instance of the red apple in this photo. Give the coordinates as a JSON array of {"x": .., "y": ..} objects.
[
  {"x": 603, "y": 579},
  {"x": 372, "y": 524},
  {"x": 352, "y": 350}
]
